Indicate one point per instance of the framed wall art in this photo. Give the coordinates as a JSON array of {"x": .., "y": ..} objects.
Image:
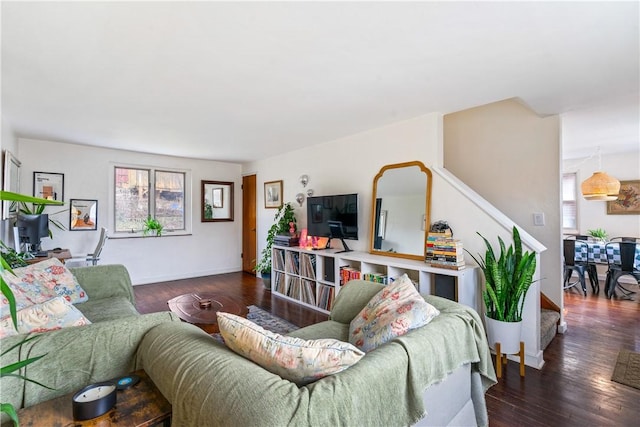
[
  {"x": 48, "y": 185},
  {"x": 628, "y": 202},
  {"x": 273, "y": 194},
  {"x": 84, "y": 215}
]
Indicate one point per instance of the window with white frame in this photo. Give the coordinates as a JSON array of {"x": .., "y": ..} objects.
[
  {"x": 569, "y": 203},
  {"x": 141, "y": 192}
]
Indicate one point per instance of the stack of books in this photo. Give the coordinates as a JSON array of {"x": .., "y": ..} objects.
[
  {"x": 443, "y": 251},
  {"x": 348, "y": 273},
  {"x": 286, "y": 240},
  {"x": 376, "y": 277}
]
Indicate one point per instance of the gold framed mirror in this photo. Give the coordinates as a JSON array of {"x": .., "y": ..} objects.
[
  {"x": 401, "y": 211},
  {"x": 217, "y": 201}
]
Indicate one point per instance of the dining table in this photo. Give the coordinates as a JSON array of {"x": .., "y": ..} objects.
[{"x": 596, "y": 252}]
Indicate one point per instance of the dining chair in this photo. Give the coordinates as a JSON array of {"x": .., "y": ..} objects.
[
  {"x": 592, "y": 269},
  {"x": 571, "y": 265},
  {"x": 625, "y": 265},
  {"x": 625, "y": 239}
]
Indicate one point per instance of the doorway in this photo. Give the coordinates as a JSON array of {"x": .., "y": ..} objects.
[{"x": 249, "y": 227}]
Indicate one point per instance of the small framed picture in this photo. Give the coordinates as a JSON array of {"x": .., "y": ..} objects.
[
  {"x": 217, "y": 198},
  {"x": 48, "y": 185},
  {"x": 273, "y": 194},
  {"x": 84, "y": 215}
]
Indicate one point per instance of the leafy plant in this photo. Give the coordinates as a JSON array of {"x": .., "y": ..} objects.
[
  {"x": 507, "y": 278},
  {"x": 12, "y": 257},
  {"x": 598, "y": 233},
  {"x": 10, "y": 370},
  {"x": 152, "y": 224},
  {"x": 283, "y": 220}
]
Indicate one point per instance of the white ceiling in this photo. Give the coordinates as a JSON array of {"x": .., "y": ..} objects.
[{"x": 241, "y": 81}]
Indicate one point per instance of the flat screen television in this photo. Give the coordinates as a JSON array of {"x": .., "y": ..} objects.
[
  {"x": 325, "y": 212},
  {"x": 31, "y": 229}
]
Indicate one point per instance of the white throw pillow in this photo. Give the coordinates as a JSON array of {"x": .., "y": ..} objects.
[{"x": 294, "y": 359}]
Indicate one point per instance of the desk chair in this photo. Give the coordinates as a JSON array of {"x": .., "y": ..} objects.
[
  {"x": 571, "y": 265},
  {"x": 626, "y": 266},
  {"x": 94, "y": 257}
]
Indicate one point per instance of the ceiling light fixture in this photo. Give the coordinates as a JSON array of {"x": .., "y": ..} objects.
[{"x": 600, "y": 186}]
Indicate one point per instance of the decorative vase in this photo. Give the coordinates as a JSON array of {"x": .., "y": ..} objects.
[
  {"x": 506, "y": 333},
  {"x": 266, "y": 279}
]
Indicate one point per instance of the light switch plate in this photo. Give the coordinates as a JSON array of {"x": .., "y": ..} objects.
[{"x": 538, "y": 219}]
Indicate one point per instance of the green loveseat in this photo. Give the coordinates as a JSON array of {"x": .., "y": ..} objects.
[
  {"x": 81, "y": 355},
  {"x": 434, "y": 375}
]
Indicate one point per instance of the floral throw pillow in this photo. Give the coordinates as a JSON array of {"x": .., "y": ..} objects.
[
  {"x": 392, "y": 312},
  {"x": 56, "y": 313},
  {"x": 53, "y": 275},
  {"x": 25, "y": 293},
  {"x": 294, "y": 359}
]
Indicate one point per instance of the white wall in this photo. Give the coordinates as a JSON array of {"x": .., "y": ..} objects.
[
  {"x": 346, "y": 165},
  {"x": 593, "y": 214},
  {"x": 213, "y": 247},
  {"x": 511, "y": 157},
  {"x": 8, "y": 140}
]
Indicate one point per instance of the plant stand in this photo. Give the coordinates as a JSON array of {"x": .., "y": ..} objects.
[{"x": 501, "y": 359}]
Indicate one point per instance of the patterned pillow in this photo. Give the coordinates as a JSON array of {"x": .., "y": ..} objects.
[
  {"x": 56, "y": 313},
  {"x": 53, "y": 275},
  {"x": 294, "y": 359},
  {"x": 25, "y": 293},
  {"x": 392, "y": 312}
]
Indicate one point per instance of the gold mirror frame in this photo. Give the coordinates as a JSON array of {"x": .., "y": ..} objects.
[
  {"x": 216, "y": 201},
  {"x": 426, "y": 221}
]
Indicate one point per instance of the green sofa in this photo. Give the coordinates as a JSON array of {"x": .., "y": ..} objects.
[
  {"x": 77, "y": 356},
  {"x": 434, "y": 375}
]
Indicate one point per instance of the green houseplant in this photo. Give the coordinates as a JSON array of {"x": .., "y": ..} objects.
[
  {"x": 284, "y": 220},
  {"x": 14, "y": 368},
  {"x": 152, "y": 226},
  {"x": 507, "y": 280},
  {"x": 598, "y": 233}
]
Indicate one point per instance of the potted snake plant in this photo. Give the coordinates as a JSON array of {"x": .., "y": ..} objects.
[{"x": 508, "y": 278}]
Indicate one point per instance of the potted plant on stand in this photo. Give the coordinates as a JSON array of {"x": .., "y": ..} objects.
[
  {"x": 284, "y": 221},
  {"x": 507, "y": 280}
]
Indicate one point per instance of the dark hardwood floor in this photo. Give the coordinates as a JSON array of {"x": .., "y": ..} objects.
[{"x": 574, "y": 388}]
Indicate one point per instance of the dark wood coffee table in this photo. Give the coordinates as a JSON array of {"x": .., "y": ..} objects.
[{"x": 201, "y": 309}]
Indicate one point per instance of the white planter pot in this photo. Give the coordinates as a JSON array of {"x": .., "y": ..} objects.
[{"x": 506, "y": 333}]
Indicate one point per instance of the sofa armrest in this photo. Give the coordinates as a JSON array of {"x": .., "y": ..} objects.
[
  {"x": 352, "y": 298},
  {"x": 105, "y": 281},
  {"x": 76, "y": 357}
]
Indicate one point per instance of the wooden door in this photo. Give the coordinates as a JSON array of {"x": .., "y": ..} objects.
[{"x": 249, "y": 230}]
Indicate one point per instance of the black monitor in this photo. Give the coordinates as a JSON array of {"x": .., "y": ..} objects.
[
  {"x": 321, "y": 210},
  {"x": 31, "y": 229},
  {"x": 334, "y": 216}
]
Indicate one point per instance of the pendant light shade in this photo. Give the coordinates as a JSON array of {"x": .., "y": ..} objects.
[{"x": 600, "y": 187}]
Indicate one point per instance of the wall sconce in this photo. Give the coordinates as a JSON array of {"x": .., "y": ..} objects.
[
  {"x": 304, "y": 180},
  {"x": 300, "y": 198},
  {"x": 310, "y": 192}
]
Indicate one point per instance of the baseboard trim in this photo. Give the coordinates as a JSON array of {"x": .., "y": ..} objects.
[{"x": 157, "y": 279}]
